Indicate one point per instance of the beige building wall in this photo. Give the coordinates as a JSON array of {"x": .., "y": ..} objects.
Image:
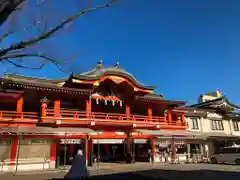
[
  {"x": 5, "y": 148},
  {"x": 33, "y": 155},
  {"x": 235, "y": 133},
  {"x": 205, "y": 127},
  {"x": 207, "y": 124}
]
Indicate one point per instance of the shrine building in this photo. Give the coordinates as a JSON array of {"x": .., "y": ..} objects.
[{"x": 105, "y": 111}]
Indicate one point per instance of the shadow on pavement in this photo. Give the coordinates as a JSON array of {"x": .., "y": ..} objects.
[{"x": 172, "y": 175}]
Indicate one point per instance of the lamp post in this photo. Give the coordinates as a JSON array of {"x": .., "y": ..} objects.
[
  {"x": 65, "y": 152},
  {"x": 18, "y": 152}
]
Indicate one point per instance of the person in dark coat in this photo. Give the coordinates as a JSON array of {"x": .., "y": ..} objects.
[{"x": 78, "y": 169}]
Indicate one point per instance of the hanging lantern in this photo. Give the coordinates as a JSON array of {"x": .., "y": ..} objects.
[
  {"x": 105, "y": 102},
  {"x": 97, "y": 101},
  {"x": 120, "y": 103},
  {"x": 113, "y": 102}
]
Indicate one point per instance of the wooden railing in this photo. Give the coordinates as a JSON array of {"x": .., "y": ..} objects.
[
  {"x": 95, "y": 116},
  {"x": 15, "y": 116}
]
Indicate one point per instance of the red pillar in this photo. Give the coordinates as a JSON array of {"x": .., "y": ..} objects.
[
  {"x": 128, "y": 111},
  {"x": 13, "y": 151},
  {"x": 150, "y": 114},
  {"x": 88, "y": 107},
  {"x": 107, "y": 148},
  {"x": 20, "y": 105},
  {"x": 86, "y": 150},
  {"x": 165, "y": 117},
  {"x": 182, "y": 118},
  {"x": 57, "y": 105},
  {"x": 90, "y": 151},
  {"x": 71, "y": 150},
  {"x": 44, "y": 109},
  {"x": 19, "y": 108},
  {"x": 53, "y": 155},
  {"x": 169, "y": 116}
]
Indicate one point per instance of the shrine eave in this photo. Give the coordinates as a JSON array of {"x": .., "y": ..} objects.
[
  {"x": 235, "y": 116},
  {"x": 220, "y": 103},
  {"x": 194, "y": 112},
  {"x": 47, "y": 86},
  {"x": 32, "y": 80},
  {"x": 112, "y": 73}
]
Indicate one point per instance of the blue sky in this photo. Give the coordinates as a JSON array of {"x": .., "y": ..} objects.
[{"x": 185, "y": 47}]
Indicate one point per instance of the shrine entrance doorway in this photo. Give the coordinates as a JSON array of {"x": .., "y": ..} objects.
[{"x": 108, "y": 150}]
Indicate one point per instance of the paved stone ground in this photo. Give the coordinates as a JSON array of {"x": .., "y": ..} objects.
[{"x": 148, "y": 171}]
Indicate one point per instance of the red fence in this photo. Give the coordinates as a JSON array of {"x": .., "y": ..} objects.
[
  {"x": 95, "y": 116},
  {"x": 18, "y": 116}
]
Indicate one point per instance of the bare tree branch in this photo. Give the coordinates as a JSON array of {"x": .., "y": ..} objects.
[
  {"x": 9, "y": 53},
  {"x": 5, "y": 35},
  {"x": 22, "y": 66},
  {"x": 9, "y": 58}
]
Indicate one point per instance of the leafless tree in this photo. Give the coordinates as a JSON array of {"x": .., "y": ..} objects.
[{"x": 17, "y": 53}]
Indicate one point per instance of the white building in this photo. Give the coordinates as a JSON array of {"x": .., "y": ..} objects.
[{"x": 215, "y": 123}]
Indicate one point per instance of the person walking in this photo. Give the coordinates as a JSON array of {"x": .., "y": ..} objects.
[
  {"x": 78, "y": 169},
  {"x": 165, "y": 154}
]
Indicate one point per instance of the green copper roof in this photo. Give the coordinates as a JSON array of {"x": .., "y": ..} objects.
[{"x": 100, "y": 70}]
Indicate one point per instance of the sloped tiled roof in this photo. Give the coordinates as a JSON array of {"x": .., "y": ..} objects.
[
  {"x": 100, "y": 70},
  {"x": 219, "y": 103}
]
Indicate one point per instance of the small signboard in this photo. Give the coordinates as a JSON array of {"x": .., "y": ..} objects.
[
  {"x": 140, "y": 141},
  {"x": 70, "y": 141},
  {"x": 108, "y": 141}
]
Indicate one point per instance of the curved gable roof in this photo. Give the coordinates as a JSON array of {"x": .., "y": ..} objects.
[{"x": 100, "y": 71}]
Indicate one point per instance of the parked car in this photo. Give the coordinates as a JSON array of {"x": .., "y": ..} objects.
[{"x": 227, "y": 155}]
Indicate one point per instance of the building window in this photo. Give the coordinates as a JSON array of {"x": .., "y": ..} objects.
[
  {"x": 217, "y": 125},
  {"x": 39, "y": 141},
  {"x": 195, "y": 149},
  {"x": 194, "y": 123},
  {"x": 181, "y": 148},
  {"x": 5, "y": 142},
  {"x": 235, "y": 126},
  {"x": 34, "y": 141}
]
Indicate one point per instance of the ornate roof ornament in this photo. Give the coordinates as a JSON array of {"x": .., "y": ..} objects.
[
  {"x": 117, "y": 64},
  {"x": 45, "y": 100},
  {"x": 100, "y": 62},
  {"x": 99, "y": 65}
]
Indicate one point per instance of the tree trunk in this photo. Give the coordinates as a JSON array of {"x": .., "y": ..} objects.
[{"x": 7, "y": 7}]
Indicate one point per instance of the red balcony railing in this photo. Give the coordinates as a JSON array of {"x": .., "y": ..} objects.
[
  {"x": 13, "y": 116},
  {"x": 99, "y": 116},
  {"x": 82, "y": 117}
]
